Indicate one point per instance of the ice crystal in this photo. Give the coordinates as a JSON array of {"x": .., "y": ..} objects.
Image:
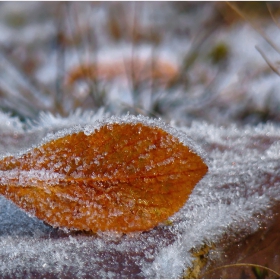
[{"x": 243, "y": 182}]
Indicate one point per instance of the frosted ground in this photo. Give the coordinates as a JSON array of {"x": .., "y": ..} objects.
[{"x": 236, "y": 198}]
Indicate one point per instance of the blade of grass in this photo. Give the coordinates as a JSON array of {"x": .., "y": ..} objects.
[
  {"x": 240, "y": 265},
  {"x": 21, "y": 78},
  {"x": 272, "y": 16},
  {"x": 269, "y": 63}
]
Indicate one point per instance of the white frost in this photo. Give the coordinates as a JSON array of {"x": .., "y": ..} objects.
[{"x": 242, "y": 183}]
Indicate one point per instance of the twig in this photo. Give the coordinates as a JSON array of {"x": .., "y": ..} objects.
[
  {"x": 60, "y": 58},
  {"x": 75, "y": 27},
  {"x": 269, "y": 63},
  {"x": 193, "y": 53},
  {"x": 257, "y": 28},
  {"x": 240, "y": 264},
  {"x": 272, "y": 16},
  {"x": 91, "y": 46}
]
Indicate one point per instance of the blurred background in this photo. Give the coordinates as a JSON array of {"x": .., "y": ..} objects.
[{"x": 182, "y": 61}]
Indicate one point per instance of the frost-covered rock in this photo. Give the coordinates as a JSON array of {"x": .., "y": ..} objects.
[{"x": 242, "y": 186}]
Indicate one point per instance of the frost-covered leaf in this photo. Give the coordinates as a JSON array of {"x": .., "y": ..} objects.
[{"x": 122, "y": 176}]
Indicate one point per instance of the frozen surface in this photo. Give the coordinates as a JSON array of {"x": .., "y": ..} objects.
[{"x": 242, "y": 184}]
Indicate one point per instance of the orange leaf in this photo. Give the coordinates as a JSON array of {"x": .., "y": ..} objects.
[
  {"x": 159, "y": 70},
  {"x": 122, "y": 177}
]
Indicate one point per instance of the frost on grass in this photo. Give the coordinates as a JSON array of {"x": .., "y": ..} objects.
[
  {"x": 10, "y": 124},
  {"x": 242, "y": 183}
]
